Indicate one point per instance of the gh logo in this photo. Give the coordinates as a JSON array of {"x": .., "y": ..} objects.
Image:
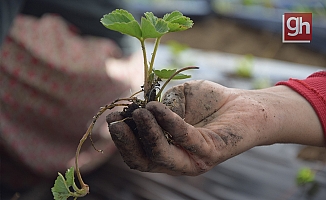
[{"x": 297, "y": 27}]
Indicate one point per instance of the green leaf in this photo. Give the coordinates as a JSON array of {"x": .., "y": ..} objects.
[
  {"x": 177, "y": 21},
  {"x": 153, "y": 27},
  {"x": 181, "y": 76},
  {"x": 122, "y": 21},
  {"x": 60, "y": 190},
  {"x": 150, "y": 27},
  {"x": 70, "y": 179},
  {"x": 304, "y": 176},
  {"x": 245, "y": 66},
  {"x": 172, "y": 16},
  {"x": 62, "y": 185},
  {"x": 167, "y": 73}
]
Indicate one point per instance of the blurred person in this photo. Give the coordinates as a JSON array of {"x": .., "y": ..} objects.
[{"x": 53, "y": 79}]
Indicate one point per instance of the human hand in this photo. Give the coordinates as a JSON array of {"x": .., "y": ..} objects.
[{"x": 213, "y": 124}]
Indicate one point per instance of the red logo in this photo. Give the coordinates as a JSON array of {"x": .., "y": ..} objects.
[{"x": 297, "y": 27}]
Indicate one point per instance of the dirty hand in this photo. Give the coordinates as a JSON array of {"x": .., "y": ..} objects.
[{"x": 213, "y": 123}]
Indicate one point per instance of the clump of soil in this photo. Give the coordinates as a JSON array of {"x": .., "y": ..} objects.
[
  {"x": 127, "y": 111},
  {"x": 169, "y": 100},
  {"x": 127, "y": 115}
]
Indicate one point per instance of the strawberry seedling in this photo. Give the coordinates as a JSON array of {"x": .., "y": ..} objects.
[{"x": 150, "y": 26}]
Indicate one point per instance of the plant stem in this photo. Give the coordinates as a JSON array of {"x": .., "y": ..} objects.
[
  {"x": 82, "y": 140},
  {"x": 171, "y": 77},
  {"x": 89, "y": 132},
  {"x": 146, "y": 85},
  {"x": 151, "y": 64}
]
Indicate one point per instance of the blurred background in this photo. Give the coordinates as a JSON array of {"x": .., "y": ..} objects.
[
  {"x": 244, "y": 26},
  {"x": 246, "y": 36},
  {"x": 237, "y": 43}
]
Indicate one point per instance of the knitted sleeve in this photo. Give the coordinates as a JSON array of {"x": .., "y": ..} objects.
[{"x": 313, "y": 89}]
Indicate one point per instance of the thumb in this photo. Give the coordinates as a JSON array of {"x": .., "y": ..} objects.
[
  {"x": 168, "y": 120},
  {"x": 175, "y": 100},
  {"x": 183, "y": 134}
]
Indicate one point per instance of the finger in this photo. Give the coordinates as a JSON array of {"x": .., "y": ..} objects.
[
  {"x": 128, "y": 145},
  {"x": 165, "y": 157},
  {"x": 168, "y": 120},
  {"x": 203, "y": 98},
  {"x": 174, "y": 99},
  {"x": 204, "y": 147},
  {"x": 150, "y": 132},
  {"x": 183, "y": 134},
  {"x": 195, "y": 100},
  {"x": 113, "y": 117}
]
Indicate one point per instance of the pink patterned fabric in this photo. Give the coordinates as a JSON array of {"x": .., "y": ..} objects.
[{"x": 52, "y": 83}]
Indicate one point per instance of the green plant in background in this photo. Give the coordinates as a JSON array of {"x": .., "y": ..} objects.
[
  {"x": 305, "y": 179},
  {"x": 150, "y": 26},
  {"x": 304, "y": 176},
  {"x": 261, "y": 83},
  {"x": 245, "y": 66},
  {"x": 177, "y": 49}
]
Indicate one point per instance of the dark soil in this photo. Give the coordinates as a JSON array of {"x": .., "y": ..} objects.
[{"x": 127, "y": 114}]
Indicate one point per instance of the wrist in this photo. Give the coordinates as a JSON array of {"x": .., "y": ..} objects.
[{"x": 295, "y": 119}]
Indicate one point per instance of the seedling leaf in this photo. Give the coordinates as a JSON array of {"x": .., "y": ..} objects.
[
  {"x": 70, "y": 179},
  {"x": 177, "y": 21},
  {"x": 122, "y": 21},
  {"x": 172, "y": 16},
  {"x": 304, "y": 176},
  {"x": 153, "y": 27},
  {"x": 60, "y": 190},
  {"x": 167, "y": 73}
]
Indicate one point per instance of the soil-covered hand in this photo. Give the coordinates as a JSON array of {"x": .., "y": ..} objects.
[{"x": 210, "y": 124}]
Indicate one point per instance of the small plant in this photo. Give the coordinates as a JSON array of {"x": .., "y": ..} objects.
[
  {"x": 305, "y": 179},
  {"x": 245, "y": 67},
  {"x": 177, "y": 49},
  {"x": 150, "y": 26},
  {"x": 304, "y": 176},
  {"x": 261, "y": 83}
]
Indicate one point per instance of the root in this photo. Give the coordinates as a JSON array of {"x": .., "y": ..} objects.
[
  {"x": 90, "y": 128},
  {"x": 149, "y": 95}
]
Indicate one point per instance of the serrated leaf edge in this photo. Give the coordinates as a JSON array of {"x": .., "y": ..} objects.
[
  {"x": 53, "y": 189},
  {"x": 170, "y": 72}
]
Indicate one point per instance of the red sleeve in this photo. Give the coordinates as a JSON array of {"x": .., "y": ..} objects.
[{"x": 313, "y": 89}]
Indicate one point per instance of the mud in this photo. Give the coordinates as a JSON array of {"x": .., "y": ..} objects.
[
  {"x": 229, "y": 137},
  {"x": 127, "y": 115},
  {"x": 148, "y": 143},
  {"x": 175, "y": 100}
]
